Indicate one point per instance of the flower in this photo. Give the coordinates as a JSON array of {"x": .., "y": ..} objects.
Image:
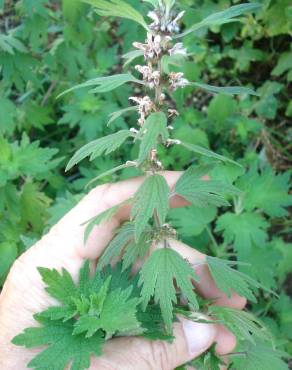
[
  {"x": 178, "y": 49},
  {"x": 150, "y": 76},
  {"x": 177, "y": 80},
  {"x": 145, "y": 106},
  {"x": 165, "y": 22}
]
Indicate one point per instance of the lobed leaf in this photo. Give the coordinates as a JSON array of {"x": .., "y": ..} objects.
[
  {"x": 95, "y": 148},
  {"x": 153, "y": 130},
  {"x": 151, "y": 198},
  {"x": 104, "y": 84},
  {"x": 157, "y": 279},
  {"x": 200, "y": 192},
  {"x": 222, "y": 17},
  {"x": 206, "y": 152},
  {"x": 117, "y": 8},
  {"x": 228, "y": 90}
]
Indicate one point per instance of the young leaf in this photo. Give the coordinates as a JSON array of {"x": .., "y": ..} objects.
[
  {"x": 157, "y": 280},
  {"x": 95, "y": 148},
  {"x": 228, "y": 279},
  {"x": 242, "y": 324},
  {"x": 222, "y": 17},
  {"x": 206, "y": 152},
  {"x": 200, "y": 192},
  {"x": 154, "y": 128},
  {"x": 229, "y": 90},
  {"x": 63, "y": 347},
  {"x": 102, "y": 217},
  {"x": 117, "y": 8},
  {"x": 151, "y": 198},
  {"x": 104, "y": 84}
]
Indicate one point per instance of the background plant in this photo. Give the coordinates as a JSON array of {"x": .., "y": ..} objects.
[{"x": 32, "y": 64}]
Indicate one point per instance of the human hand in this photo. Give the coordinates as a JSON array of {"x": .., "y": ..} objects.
[{"x": 23, "y": 293}]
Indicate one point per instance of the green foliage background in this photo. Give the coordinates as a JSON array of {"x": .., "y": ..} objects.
[{"x": 47, "y": 46}]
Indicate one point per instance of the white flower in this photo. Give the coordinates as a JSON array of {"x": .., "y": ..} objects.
[
  {"x": 144, "y": 107},
  {"x": 177, "y": 80},
  {"x": 178, "y": 49},
  {"x": 150, "y": 76}
]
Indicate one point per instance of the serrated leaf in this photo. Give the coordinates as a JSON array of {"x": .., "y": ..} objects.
[
  {"x": 222, "y": 17},
  {"x": 153, "y": 130},
  {"x": 201, "y": 192},
  {"x": 104, "y": 84},
  {"x": 136, "y": 250},
  {"x": 117, "y": 8},
  {"x": 102, "y": 217},
  {"x": 229, "y": 280},
  {"x": 243, "y": 229},
  {"x": 60, "y": 285},
  {"x": 95, "y": 148},
  {"x": 261, "y": 356},
  {"x": 63, "y": 347},
  {"x": 115, "y": 115},
  {"x": 244, "y": 325},
  {"x": 228, "y": 90},
  {"x": 157, "y": 279},
  {"x": 206, "y": 152},
  {"x": 151, "y": 198},
  {"x": 122, "y": 238}
]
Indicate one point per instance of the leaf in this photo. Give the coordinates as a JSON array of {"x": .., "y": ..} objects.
[
  {"x": 157, "y": 279},
  {"x": 244, "y": 325},
  {"x": 229, "y": 280},
  {"x": 154, "y": 128},
  {"x": 266, "y": 191},
  {"x": 102, "y": 217},
  {"x": 59, "y": 284},
  {"x": 206, "y": 152},
  {"x": 261, "y": 356},
  {"x": 63, "y": 347},
  {"x": 104, "y": 84},
  {"x": 117, "y": 114},
  {"x": 243, "y": 230},
  {"x": 229, "y": 90},
  {"x": 137, "y": 250},
  {"x": 117, "y": 8},
  {"x": 122, "y": 238},
  {"x": 95, "y": 148},
  {"x": 202, "y": 192},
  {"x": 222, "y": 17},
  {"x": 151, "y": 198}
]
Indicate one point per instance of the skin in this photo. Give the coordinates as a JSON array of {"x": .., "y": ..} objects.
[{"x": 23, "y": 293}]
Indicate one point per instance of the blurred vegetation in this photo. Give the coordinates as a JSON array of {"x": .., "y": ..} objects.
[{"x": 47, "y": 46}]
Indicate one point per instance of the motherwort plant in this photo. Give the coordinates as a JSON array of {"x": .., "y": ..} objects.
[{"x": 114, "y": 301}]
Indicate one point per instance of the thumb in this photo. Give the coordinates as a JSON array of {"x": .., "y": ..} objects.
[{"x": 191, "y": 340}]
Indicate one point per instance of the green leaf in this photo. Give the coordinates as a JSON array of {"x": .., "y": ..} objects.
[
  {"x": 229, "y": 280},
  {"x": 243, "y": 230},
  {"x": 104, "y": 84},
  {"x": 206, "y": 152},
  {"x": 151, "y": 198},
  {"x": 119, "y": 113},
  {"x": 59, "y": 284},
  {"x": 222, "y": 17},
  {"x": 266, "y": 191},
  {"x": 229, "y": 90},
  {"x": 117, "y": 8},
  {"x": 102, "y": 217},
  {"x": 157, "y": 280},
  {"x": 202, "y": 192},
  {"x": 154, "y": 128},
  {"x": 261, "y": 356},
  {"x": 96, "y": 148},
  {"x": 122, "y": 238},
  {"x": 63, "y": 347},
  {"x": 137, "y": 250},
  {"x": 8, "y": 253},
  {"x": 244, "y": 325}
]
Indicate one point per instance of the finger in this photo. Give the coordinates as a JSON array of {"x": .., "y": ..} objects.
[
  {"x": 225, "y": 341},
  {"x": 191, "y": 340},
  {"x": 206, "y": 286}
]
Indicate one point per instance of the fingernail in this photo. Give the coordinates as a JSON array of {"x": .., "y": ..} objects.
[{"x": 199, "y": 336}]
